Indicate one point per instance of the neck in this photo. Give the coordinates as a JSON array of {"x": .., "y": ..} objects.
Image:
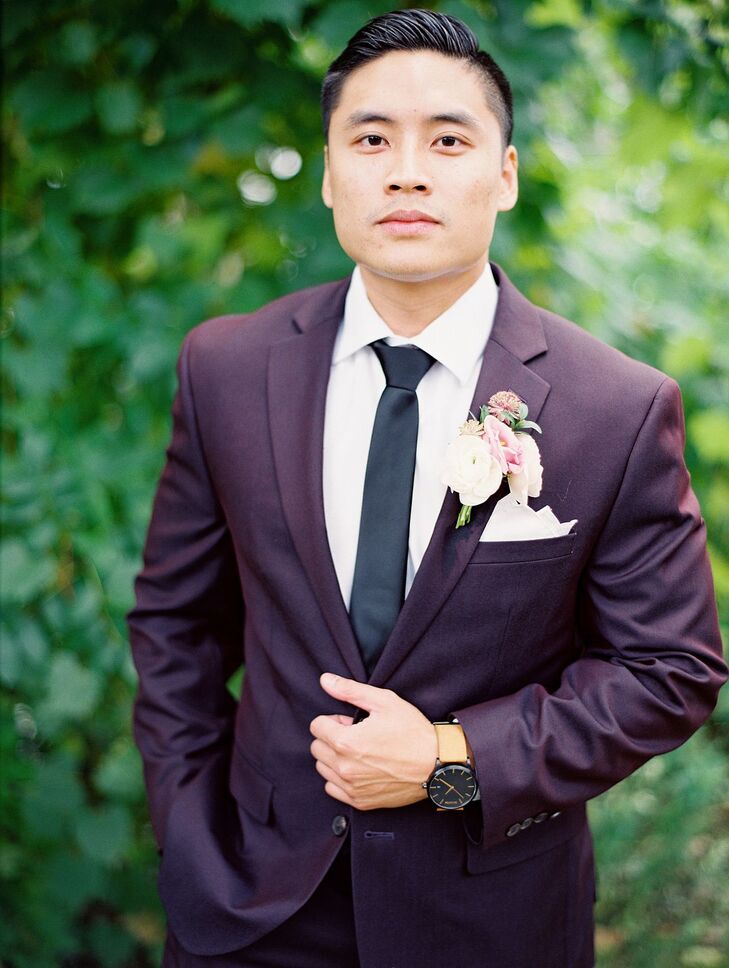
[{"x": 408, "y": 307}]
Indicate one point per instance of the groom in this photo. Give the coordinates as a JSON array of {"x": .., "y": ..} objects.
[{"x": 303, "y": 526}]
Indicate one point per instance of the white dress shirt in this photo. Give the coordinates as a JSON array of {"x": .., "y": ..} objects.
[{"x": 456, "y": 340}]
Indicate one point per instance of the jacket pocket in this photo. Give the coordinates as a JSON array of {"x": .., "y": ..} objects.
[
  {"x": 252, "y": 790},
  {"x": 536, "y": 549}
]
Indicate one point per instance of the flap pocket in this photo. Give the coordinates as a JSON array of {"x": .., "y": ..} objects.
[
  {"x": 252, "y": 790},
  {"x": 534, "y": 840}
]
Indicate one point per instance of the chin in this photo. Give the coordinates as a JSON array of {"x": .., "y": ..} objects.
[{"x": 411, "y": 270}]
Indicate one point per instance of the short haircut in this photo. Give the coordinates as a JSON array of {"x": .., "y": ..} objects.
[{"x": 419, "y": 30}]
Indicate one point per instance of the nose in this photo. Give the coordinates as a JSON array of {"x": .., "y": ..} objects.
[{"x": 408, "y": 173}]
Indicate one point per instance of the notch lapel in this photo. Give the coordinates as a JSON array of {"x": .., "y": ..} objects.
[
  {"x": 298, "y": 377},
  {"x": 517, "y": 336}
]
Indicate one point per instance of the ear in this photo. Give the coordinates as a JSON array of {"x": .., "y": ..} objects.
[
  {"x": 326, "y": 188},
  {"x": 509, "y": 186}
]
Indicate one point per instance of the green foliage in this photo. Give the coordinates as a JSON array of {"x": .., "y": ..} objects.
[{"x": 152, "y": 155}]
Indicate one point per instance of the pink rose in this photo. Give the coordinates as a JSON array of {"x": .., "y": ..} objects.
[{"x": 504, "y": 445}]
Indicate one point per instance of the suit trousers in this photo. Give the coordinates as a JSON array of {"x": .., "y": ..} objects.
[{"x": 321, "y": 934}]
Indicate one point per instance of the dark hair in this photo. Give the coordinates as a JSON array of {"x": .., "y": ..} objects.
[{"x": 419, "y": 30}]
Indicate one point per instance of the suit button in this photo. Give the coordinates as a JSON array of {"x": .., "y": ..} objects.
[
  {"x": 513, "y": 830},
  {"x": 526, "y": 823},
  {"x": 540, "y": 817},
  {"x": 339, "y": 824}
]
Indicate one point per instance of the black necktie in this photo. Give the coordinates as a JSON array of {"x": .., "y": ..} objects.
[{"x": 378, "y": 587}]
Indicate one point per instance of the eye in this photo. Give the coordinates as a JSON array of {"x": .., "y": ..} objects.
[
  {"x": 372, "y": 141},
  {"x": 450, "y": 141}
]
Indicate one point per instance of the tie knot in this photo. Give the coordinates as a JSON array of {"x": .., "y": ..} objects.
[{"x": 404, "y": 366}]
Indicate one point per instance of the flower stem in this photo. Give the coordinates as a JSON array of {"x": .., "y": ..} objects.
[{"x": 464, "y": 515}]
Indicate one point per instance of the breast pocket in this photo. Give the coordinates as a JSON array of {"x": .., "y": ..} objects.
[{"x": 537, "y": 549}]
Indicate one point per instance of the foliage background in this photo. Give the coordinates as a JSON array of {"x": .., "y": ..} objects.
[{"x": 146, "y": 188}]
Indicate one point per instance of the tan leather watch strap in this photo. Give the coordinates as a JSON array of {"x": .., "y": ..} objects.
[{"x": 451, "y": 743}]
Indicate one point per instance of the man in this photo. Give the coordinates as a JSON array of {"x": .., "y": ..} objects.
[{"x": 302, "y": 525}]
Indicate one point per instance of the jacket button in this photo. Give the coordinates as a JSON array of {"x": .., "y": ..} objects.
[
  {"x": 339, "y": 824},
  {"x": 513, "y": 830}
]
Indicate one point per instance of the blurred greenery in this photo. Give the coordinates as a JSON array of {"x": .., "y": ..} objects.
[{"x": 162, "y": 165}]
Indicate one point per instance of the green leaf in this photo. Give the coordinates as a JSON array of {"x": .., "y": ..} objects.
[
  {"x": 53, "y": 798},
  {"x": 105, "y": 834},
  {"x": 249, "y": 13},
  {"x": 709, "y": 433},
  {"x": 235, "y": 682},
  {"x": 119, "y": 775},
  {"x": 25, "y": 576},
  {"x": 119, "y": 105},
  {"x": 48, "y": 102},
  {"x": 78, "y": 42},
  {"x": 73, "y": 691},
  {"x": 23, "y": 648},
  {"x": 548, "y": 13},
  {"x": 73, "y": 879},
  {"x": 338, "y": 22},
  {"x": 111, "y": 943}
]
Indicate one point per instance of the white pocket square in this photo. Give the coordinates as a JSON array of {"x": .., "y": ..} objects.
[{"x": 511, "y": 521}]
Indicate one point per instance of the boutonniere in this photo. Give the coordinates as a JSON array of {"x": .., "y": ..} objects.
[{"x": 491, "y": 448}]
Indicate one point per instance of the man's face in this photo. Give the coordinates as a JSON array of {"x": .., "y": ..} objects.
[{"x": 413, "y": 133}]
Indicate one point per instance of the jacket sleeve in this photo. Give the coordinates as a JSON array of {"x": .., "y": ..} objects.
[
  {"x": 650, "y": 664},
  {"x": 186, "y": 626}
]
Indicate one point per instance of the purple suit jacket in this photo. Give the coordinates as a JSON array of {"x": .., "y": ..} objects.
[{"x": 569, "y": 661}]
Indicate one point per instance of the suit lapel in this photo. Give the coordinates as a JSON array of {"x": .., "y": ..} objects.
[
  {"x": 298, "y": 376},
  {"x": 517, "y": 336}
]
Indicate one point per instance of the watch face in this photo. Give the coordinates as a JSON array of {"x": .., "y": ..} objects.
[{"x": 452, "y": 786}]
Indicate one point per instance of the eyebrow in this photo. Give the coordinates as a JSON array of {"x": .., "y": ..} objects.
[{"x": 452, "y": 117}]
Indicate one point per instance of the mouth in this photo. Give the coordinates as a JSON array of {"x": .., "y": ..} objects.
[{"x": 408, "y": 221}]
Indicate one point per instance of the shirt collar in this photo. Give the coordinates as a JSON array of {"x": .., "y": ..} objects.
[{"x": 456, "y": 338}]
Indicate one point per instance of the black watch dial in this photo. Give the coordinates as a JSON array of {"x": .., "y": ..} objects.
[{"x": 452, "y": 786}]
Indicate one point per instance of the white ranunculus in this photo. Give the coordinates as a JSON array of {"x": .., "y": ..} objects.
[
  {"x": 471, "y": 470},
  {"x": 529, "y": 482}
]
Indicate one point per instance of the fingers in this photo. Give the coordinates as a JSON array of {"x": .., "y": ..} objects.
[
  {"x": 357, "y": 693},
  {"x": 328, "y": 728},
  {"x": 321, "y": 751},
  {"x": 333, "y": 777},
  {"x": 334, "y": 791}
]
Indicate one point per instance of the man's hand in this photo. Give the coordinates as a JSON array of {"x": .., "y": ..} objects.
[{"x": 380, "y": 761}]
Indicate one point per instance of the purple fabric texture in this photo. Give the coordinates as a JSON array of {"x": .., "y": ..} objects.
[{"x": 570, "y": 661}]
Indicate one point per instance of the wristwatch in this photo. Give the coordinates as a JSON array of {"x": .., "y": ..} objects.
[{"x": 453, "y": 783}]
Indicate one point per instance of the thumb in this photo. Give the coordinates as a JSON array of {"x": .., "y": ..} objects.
[{"x": 349, "y": 690}]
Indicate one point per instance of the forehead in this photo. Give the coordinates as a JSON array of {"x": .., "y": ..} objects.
[{"x": 407, "y": 85}]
